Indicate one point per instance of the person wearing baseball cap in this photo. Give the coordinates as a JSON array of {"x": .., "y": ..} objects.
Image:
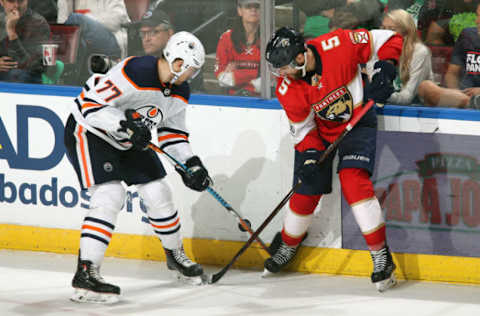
[
  {"x": 155, "y": 30},
  {"x": 245, "y": 3}
]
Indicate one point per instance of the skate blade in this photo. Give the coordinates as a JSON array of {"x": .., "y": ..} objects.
[
  {"x": 384, "y": 285},
  {"x": 86, "y": 296},
  {"x": 267, "y": 274},
  {"x": 196, "y": 280}
]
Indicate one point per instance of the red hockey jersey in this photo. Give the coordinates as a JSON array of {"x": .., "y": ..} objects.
[{"x": 323, "y": 109}]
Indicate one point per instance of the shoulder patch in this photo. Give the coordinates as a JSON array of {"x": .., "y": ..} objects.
[{"x": 360, "y": 37}]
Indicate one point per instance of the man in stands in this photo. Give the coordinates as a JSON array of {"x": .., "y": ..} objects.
[
  {"x": 22, "y": 33},
  {"x": 155, "y": 30}
]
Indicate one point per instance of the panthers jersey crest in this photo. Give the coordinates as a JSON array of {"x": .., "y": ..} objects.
[{"x": 337, "y": 106}]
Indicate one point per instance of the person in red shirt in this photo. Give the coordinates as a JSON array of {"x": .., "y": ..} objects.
[
  {"x": 238, "y": 52},
  {"x": 320, "y": 87}
]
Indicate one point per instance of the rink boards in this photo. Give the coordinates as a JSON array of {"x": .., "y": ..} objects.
[{"x": 246, "y": 146}]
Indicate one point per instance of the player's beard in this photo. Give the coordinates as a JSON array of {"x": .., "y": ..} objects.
[{"x": 297, "y": 75}]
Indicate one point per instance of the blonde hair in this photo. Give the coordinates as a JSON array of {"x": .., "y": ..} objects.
[{"x": 407, "y": 28}]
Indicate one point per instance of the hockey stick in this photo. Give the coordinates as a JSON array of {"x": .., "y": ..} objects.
[
  {"x": 217, "y": 276},
  {"x": 244, "y": 224}
]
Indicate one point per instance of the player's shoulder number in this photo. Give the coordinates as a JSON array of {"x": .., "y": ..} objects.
[
  {"x": 283, "y": 87},
  {"x": 330, "y": 43},
  {"x": 111, "y": 90}
]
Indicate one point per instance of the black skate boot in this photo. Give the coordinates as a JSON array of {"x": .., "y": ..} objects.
[
  {"x": 186, "y": 269},
  {"x": 282, "y": 255},
  {"x": 90, "y": 286},
  {"x": 383, "y": 267}
]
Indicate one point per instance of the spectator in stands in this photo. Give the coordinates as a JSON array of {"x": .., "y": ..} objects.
[
  {"x": 99, "y": 19},
  {"x": 155, "y": 30},
  {"x": 101, "y": 30},
  {"x": 415, "y": 62},
  {"x": 441, "y": 21},
  {"x": 463, "y": 75},
  {"x": 22, "y": 33},
  {"x": 238, "y": 52}
]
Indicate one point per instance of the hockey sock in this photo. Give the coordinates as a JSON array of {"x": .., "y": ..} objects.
[
  {"x": 167, "y": 227},
  {"x": 358, "y": 190},
  {"x": 105, "y": 203},
  {"x": 162, "y": 214},
  {"x": 298, "y": 217},
  {"x": 97, "y": 230}
]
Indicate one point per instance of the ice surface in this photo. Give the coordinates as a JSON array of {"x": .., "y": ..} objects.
[{"x": 36, "y": 283}]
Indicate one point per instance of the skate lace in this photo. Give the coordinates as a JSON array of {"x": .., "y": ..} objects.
[
  {"x": 379, "y": 259},
  {"x": 94, "y": 273},
  {"x": 284, "y": 254},
  {"x": 182, "y": 258}
]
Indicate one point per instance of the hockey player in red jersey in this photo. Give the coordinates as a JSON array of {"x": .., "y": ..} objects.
[
  {"x": 320, "y": 87},
  {"x": 107, "y": 137}
]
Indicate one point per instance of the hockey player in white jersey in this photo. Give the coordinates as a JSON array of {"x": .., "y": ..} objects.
[{"x": 107, "y": 137}]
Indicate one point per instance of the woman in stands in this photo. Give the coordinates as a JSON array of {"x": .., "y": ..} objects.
[
  {"x": 415, "y": 62},
  {"x": 238, "y": 52}
]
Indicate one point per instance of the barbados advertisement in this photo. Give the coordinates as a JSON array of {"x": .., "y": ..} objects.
[{"x": 429, "y": 189}]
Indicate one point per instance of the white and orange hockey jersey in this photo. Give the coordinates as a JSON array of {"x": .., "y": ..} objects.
[
  {"x": 319, "y": 107},
  {"x": 134, "y": 84}
]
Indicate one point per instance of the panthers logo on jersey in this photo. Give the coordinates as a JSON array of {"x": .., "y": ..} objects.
[{"x": 337, "y": 106}]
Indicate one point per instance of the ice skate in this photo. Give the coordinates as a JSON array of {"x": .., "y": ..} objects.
[
  {"x": 185, "y": 269},
  {"x": 383, "y": 267},
  {"x": 282, "y": 255},
  {"x": 90, "y": 287}
]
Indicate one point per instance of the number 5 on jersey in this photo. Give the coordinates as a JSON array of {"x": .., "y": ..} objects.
[
  {"x": 282, "y": 89},
  {"x": 330, "y": 43},
  {"x": 109, "y": 86}
]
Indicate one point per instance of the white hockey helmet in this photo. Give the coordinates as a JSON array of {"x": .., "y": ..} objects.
[{"x": 187, "y": 47}]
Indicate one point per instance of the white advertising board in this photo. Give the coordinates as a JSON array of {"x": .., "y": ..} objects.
[{"x": 247, "y": 151}]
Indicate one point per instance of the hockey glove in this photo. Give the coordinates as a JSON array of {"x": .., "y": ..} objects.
[
  {"x": 196, "y": 177},
  {"x": 139, "y": 134},
  {"x": 310, "y": 170},
  {"x": 381, "y": 86}
]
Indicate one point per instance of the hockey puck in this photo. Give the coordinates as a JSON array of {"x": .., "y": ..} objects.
[{"x": 246, "y": 222}]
